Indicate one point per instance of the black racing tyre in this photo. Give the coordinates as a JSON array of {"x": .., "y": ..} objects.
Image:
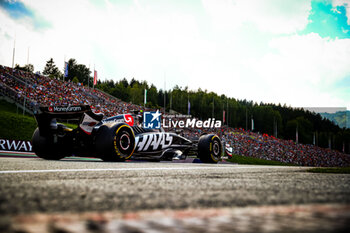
[
  {"x": 209, "y": 148},
  {"x": 45, "y": 148},
  {"x": 115, "y": 142}
]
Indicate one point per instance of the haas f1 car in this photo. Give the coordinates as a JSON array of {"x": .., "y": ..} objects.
[{"x": 117, "y": 138}]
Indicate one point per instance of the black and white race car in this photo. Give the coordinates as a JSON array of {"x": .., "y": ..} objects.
[{"x": 117, "y": 138}]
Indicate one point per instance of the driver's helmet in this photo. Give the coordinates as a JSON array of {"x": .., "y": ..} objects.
[{"x": 139, "y": 117}]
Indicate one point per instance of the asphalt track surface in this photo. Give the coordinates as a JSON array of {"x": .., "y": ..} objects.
[{"x": 79, "y": 195}]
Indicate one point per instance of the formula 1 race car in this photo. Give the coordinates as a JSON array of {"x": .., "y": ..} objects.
[{"x": 117, "y": 138}]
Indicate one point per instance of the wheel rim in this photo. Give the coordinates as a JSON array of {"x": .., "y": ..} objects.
[
  {"x": 216, "y": 149},
  {"x": 124, "y": 141}
]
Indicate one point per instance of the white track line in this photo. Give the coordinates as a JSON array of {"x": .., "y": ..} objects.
[{"x": 113, "y": 169}]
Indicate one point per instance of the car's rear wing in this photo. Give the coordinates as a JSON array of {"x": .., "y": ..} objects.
[
  {"x": 65, "y": 112},
  {"x": 46, "y": 116}
]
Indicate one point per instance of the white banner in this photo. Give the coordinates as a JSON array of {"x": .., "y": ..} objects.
[{"x": 15, "y": 145}]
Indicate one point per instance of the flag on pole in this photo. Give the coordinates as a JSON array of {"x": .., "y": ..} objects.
[
  {"x": 188, "y": 107},
  {"x": 314, "y": 139},
  {"x": 65, "y": 69},
  {"x": 95, "y": 77},
  {"x": 296, "y": 135},
  {"x": 223, "y": 116},
  {"x": 145, "y": 98}
]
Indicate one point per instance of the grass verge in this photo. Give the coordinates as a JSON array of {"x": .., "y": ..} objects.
[
  {"x": 14, "y": 125},
  {"x": 250, "y": 160},
  {"x": 339, "y": 170}
]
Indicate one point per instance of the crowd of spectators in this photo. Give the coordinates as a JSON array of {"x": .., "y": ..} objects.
[
  {"x": 267, "y": 147},
  {"x": 39, "y": 90}
]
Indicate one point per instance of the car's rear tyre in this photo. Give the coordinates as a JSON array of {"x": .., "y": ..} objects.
[
  {"x": 209, "y": 148},
  {"x": 45, "y": 148},
  {"x": 115, "y": 142}
]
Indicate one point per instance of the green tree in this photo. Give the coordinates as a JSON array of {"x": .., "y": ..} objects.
[
  {"x": 152, "y": 94},
  {"x": 136, "y": 93},
  {"x": 72, "y": 63},
  {"x": 51, "y": 69},
  {"x": 80, "y": 71},
  {"x": 267, "y": 117},
  {"x": 75, "y": 80},
  {"x": 27, "y": 68}
]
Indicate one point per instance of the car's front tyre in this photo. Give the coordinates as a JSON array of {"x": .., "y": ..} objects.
[{"x": 209, "y": 148}]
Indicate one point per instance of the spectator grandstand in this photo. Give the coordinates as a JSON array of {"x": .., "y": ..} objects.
[
  {"x": 267, "y": 147},
  {"x": 41, "y": 90},
  {"x": 38, "y": 90}
]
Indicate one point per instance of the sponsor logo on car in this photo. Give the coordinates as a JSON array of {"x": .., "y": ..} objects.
[
  {"x": 65, "y": 109},
  {"x": 154, "y": 141},
  {"x": 128, "y": 119},
  {"x": 113, "y": 120}
]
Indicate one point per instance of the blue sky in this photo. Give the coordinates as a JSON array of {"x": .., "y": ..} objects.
[
  {"x": 16, "y": 9},
  {"x": 328, "y": 21},
  {"x": 292, "y": 51},
  {"x": 19, "y": 11}
]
